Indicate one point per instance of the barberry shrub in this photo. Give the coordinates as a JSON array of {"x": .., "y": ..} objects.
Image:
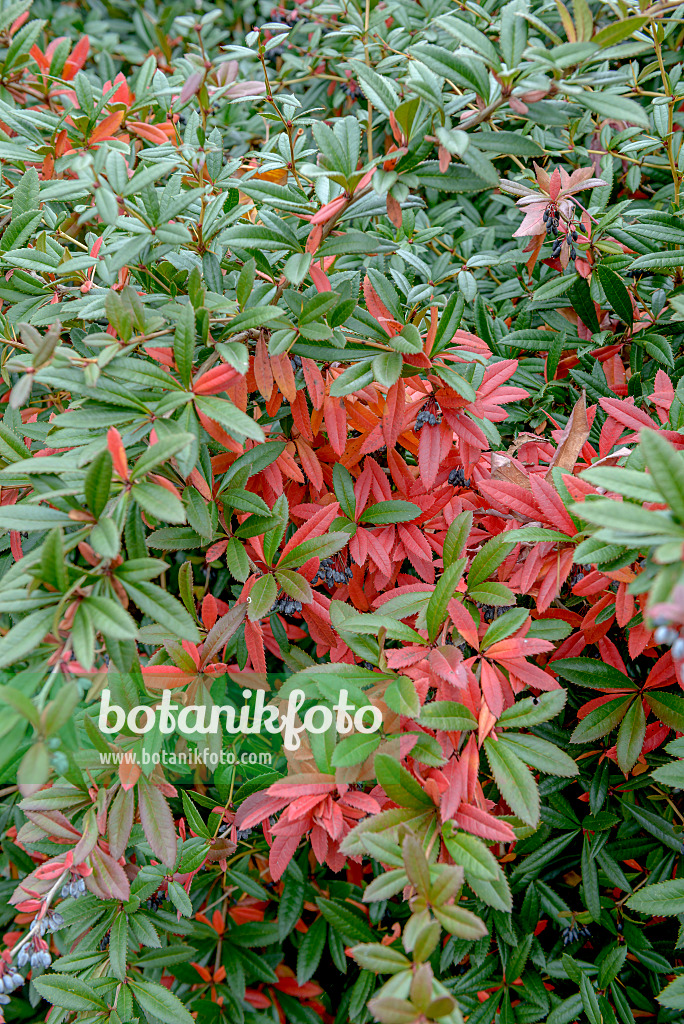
[{"x": 341, "y": 351}]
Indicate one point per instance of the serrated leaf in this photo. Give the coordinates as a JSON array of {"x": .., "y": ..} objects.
[
  {"x": 157, "y": 822},
  {"x": 514, "y": 781}
]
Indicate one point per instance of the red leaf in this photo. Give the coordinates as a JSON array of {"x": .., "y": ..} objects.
[
  {"x": 393, "y": 416},
  {"x": 335, "y": 417},
  {"x": 429, "y": 450},
  {"x": 157, "y": 822},
  {"x": 117, "y": 452},
  {"x": 314, "y": 382},
  {"x": 108, "y": 880}
]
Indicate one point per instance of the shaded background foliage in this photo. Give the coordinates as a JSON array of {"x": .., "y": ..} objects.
[{"x": 342, "y": 344}]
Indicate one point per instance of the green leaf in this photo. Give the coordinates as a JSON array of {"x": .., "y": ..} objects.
[
  {"x": 583, "y": 304},
  {"x": 458, "y": 921},
  {"x": 291, "y": 901},
  {"x": 514, "y": 781},
  {"x": 349, "y": 923},
  {"x": 110, "y": 618},
  {"x": 539, "y": 754},
  {"x": 631, "y": 736},
  {"x": 533, "y": 710},
  {"x": 311, "y": 950},
  {"x": 236, "y": 423},
  {"x": 616, "y": 293},
  {"x": 657, "y": 346},
  {"x": 447, "y": 715},
  {"x": 387, "y": 368},
  {"x": 613, "y": 106},
  {"x": 590, "y": 1001},
  {"x": 513, "y": 33},
  {"x": 465, "y": 72},
  {"x": 378, "y": 89},
  {"x": 195, "y": 820},
  {"x": 470, "y": 853},
  {"x": 68, "y": 992},
  {"x": 601, "y": 721},
  {"x": 24, "y": 637},
  {"x": 657, "y": 825},
  {"x": 30, "y": 518},
  {"x": 508, "y": 144},
  {"x": 456, "y": 537},
  {"x": 160, "y": 452},
  {"x": 160, "y": 1002},
  {"x": 591, "y": 672},
  {"x": 354, "y": 378},
  {"x": 388, "y": 512},
  {"x": 488, "y": 559},
  {"x": 262, "y": 598},
  {"x": 611, "y": 965},
  {"x": 619, "y": 30},
  {"x": 399, "y": 785},
  {"x": 314, "y": 547},
  {"x": 197, "y": 512},
  {"x": 439, "y": 599},
  {"x": 162, "y": 607},
  {"x": 381, "y": 959},
  {"x": 118, "y": 946},
  {"x": 673, "y": 994},
  {"x": 666, "y": 466},
  {"x": 184, "y": 342},
  {"x": 98, "y": 482},
  {"x": 661, "y": 899},
  {"x": 237, "y": 560},
  {"x": 355, "y": 750},
  {"x": 294, "y": 585},
  {"x": 504, "y": 626},
  {"x": 180, "y": 899},
  {"x": 343, "y": 484}
]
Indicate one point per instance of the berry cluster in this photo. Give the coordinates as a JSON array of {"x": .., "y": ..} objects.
[
  {"x": 576, "y": 575},
  {"x": 51, "y": 922},
  {"x": 155, "y": 901},
  {"x": 574, "y": 932},
  {"x": 351, "y": 88},
  {"x": 75, "y": 887},
  {"x": 10, "y": 980},
  {"x": 670, "y": 637},
  {"x": 426, "y": 416},
  {"x": 35, "y": 953},
  {"x": 491, "y": 611},
  {"x": 551, "y": 218},
  {"x": 240, "y": 835},
  {"x": 287, "y": 605},
  {"x": 104, "y": 942},
  {"x": 331, "y": 576},
  {"x": 457, "y": 478}
]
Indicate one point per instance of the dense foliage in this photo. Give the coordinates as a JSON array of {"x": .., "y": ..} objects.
[{"x": 341, "y": 348}]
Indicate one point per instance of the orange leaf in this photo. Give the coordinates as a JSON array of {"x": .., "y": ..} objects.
[
  {"x": 283, "y": 375},
  {"x": 262, "y": 369},
  {"x": 393, "y": 416},
  {"x": 129, "y": 771},
  {"x": 117, "y": 452},
  {"x": 107, "y": 128},
  {"x": 335, "y": 423},
  {"x": 76, "y": 59},
  {"x": 152, "y": 132},
  {"x": 314, "y": 382}
]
